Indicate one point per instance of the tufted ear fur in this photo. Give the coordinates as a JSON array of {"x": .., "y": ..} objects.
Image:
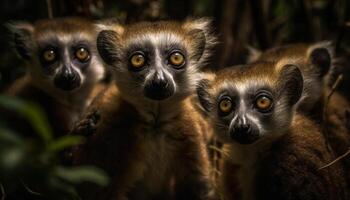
[
  {"x": 200, "y": 31},
  {"x": 22, "y": 34},
  {"x": 203, "y": 95},
  {"x": 107, "y": 46},
  {"x": 253, "y": 54},
  {"x": 291, "y": 83}
]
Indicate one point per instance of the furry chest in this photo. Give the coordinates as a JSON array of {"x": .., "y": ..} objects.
[{"x": 158, "y": 152}]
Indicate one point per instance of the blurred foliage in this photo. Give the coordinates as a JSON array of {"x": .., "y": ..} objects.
[{"x": 33, "y": 165}]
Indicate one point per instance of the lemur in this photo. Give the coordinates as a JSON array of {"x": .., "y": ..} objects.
[
  {"x": 64, "y": 70},
  {"x": 149, "y": 137},
  {"x": 273, "y": 152},
  {"x": 318, "y": 63}
]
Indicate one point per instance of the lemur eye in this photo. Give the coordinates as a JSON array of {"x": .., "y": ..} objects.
[
  {"x": 137, "y": 60},
  {"x": 225, "y": 106},
  {"x": 49, "y": 55},
  {"x": 177, "y": 59},
  {"x": 263, "y": 103},
  {"x": 82, "y": 54}
]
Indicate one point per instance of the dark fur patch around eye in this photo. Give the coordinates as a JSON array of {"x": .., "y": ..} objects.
[
  {"x": 322, "y": 59},
  {"x": 107, "y": 46},
  {"x": 147, "y": 48}
]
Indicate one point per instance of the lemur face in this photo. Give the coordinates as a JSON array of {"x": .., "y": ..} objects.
[
  {"x": 247, "y": 104},
  {"x": 156, "y": 61},
  {"x": 61, "y": 52},
  {"x": 158, "y": 65}
]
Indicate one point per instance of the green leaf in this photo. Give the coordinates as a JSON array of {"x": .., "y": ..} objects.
[
  {"x": 32, "y": 112},
  {"x": 12, "y": 153},
  {"x": 38, "y": 120},
  {"x": 64, "y": 142},
  {"x": 82, "y": 174}
]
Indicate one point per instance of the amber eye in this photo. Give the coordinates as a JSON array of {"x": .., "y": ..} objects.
[
  {"x": 49, "y": 55},
  {"x": 137, "y": 60},
  {"x": 225, "y": 106},
  {"x": 177, "y": 59},
  {"x": 82, "y": 54},
  {"x": 263, "y": 103}
]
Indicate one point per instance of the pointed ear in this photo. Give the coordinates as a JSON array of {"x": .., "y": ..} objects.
[
  {"x": 201, "y": 36},
  {"x": 253, "y": 54},
  {"x": 22, "y": 34},
  {"x": 320, "y": 56},
  {"x": 203, "y": 95},
  {"x": 291, "y": 83},
  {"x": 107, "y": 46}
]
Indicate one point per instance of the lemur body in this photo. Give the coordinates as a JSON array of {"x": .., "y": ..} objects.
[
  {"x": 273, "y": 152},
  {"x": 149, "y": 137},
  {"x": 64, "y": 71},
  {"x": 316, "y": 63}
]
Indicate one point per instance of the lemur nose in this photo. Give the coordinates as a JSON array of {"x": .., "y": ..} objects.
[
  {"x": 243, "y": 129},
  {"x": 244, "y": 133},
  {"x": 68, "y": 74},
  {"x": 67, "y": 79},
  {"x": 159, "y": 89},
  {"x": 160, "y": 83}
]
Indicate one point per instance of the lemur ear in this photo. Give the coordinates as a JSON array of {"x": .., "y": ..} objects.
[
  {"x": 291, "y": 83},
  {"x": 200, "y": 40},
  {"x": 320, "y": 55},
  {"x": 22, "y": 33},
  {"x": 203, "y": 95},
  {"x": 253, "y": 54},
  {"x": 107, "y": 46},
  {"x": 201, "y": 33}
]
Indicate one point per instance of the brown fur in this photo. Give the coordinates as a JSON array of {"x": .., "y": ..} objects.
[
  {"x": 285, "y": 162},
  {"x": 63, "y": 25},
  {"x": 335, "y": 121},
  {"x": 147, "y": 145},
  {"x": 142, "y": 158},
  {"x": 335, "y": 127},
  {"x": 291, "y": 170}
]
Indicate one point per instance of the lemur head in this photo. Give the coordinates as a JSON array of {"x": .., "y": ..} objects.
[
  {"x": 252, "y": 103},
  {"x": 314, "y": 61},
  {"x": 61, "y": 53},
  {"x": 156, "y": 61}
]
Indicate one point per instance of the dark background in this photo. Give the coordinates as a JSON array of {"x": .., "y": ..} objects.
[
  {"x": 26, "y": 163},
  {"x": 259, "y": 23}
]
